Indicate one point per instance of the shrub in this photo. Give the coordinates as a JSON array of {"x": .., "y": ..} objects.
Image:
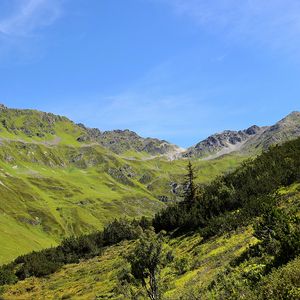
[
  {"x": 283, "y": 283},
  {"x": 71, "y": 250},
  {"x": 181, "y": 265},
  {"x": 7, "y": 275}
]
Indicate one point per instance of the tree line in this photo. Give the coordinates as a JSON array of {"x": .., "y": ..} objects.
[
  {"x": 71, "y": 250},
  {"x": 234, "y": 199}
]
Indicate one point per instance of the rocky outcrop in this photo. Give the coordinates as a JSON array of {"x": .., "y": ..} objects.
[
  {"x": 121, "y": 141},
  {"x": 248, "y": 141},
  {"x": 2, "y": 107},
  {"x": 227, "y": 140},
  {"x": 286, "y": 129}
]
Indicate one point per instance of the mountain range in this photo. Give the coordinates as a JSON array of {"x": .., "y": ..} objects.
[
  {"x": 247, "y": 141},
  {"x": 238, "y": 238},
  {"x": 51, "y": 129},
  {"x": 59, "y": 178}
]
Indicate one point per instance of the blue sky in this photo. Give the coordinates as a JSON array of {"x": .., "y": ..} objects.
[{"x": 173, "y": 69}]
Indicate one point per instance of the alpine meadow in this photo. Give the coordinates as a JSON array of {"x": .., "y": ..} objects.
[{"x": 149, "y": 149}]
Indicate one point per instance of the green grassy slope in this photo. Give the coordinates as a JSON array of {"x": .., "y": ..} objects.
[
  {"x": 244, "y": 252},
  {"x": 44, "y": 197},
  {"x": 98, "y": 277},
  {"x": 35, "y": 126},
  {"x": 52, "y": 185},
  {"x": 47, "y": 128},
  {"x": 48, "y": 192},
  {"x": 206, "y": 261}
]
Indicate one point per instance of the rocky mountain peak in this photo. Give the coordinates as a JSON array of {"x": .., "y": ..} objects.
[
  {"x": 50, "y": 127},
  {"x": 290, "y": 118},
  {"x": 226, "y": 141},
  {"x": 294, "y": 114},
  {"x": 252, "y": 130},
  {"x": 250, "y": 140}
]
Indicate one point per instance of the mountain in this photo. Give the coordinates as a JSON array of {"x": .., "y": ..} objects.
[
  {"x": 49, "y": 129},
  {"x": 58, "y": 178},
  {"x": 286, "y": 129},
  {"x": 121, "y": 141},
  {"x": 248, "y": 141},
  {"x": 222, "y": 143},
  {"x": 242, "y": 242},
  {"x": 52, "y": 129}
]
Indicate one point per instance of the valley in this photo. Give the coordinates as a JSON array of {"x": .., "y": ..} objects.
[
  {"x": 59, "y": 179},
  {"x": 53, "y": 186}
]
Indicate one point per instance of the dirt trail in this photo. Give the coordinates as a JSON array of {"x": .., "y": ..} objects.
[{"x": 54, "y": 142}]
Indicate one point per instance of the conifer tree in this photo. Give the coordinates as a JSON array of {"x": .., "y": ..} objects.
[{"x": 190, "y": 188}]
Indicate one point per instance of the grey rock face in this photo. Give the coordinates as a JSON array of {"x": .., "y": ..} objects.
[
  {"x": 252, "y": 130},
  {"x": 248, "y": 141},
  {"x": 226, "y": 139},
  {"x": 120, "y": 141},
  {"x": 2, "y": 107}
]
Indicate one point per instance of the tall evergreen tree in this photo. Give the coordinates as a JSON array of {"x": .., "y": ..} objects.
[{"x": 189, "y": 183}]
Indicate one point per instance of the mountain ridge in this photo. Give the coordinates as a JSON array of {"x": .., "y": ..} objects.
[
  {"x": 53, "y": 184},
  {"x": 250, "y": 140},
  {"x": 47, "y": 127},
  {"x": 53, "y": 129}
]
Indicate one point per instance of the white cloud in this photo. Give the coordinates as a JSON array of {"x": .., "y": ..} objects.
[{"x": 30, "y": 15}]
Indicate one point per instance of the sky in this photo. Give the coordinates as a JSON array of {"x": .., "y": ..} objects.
[{"x": 178, "y": 70}]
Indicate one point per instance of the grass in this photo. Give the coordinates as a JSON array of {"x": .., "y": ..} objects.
[
  {"x": 18, "y": 239},
  {"x": 53, "y": 191},
  {"x": 52, "y": 186},
  {"x": 97, "y": 278},
  {"x": 206, "y": 260}
]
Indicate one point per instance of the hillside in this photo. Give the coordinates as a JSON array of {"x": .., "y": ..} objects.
[
  {"x": 223, "y": 143},
  {"x": 284, "y": 130},
  {"x": 98, "y": 277},
  {"x": 49, "y": 192},
  {"x": 52, "y": 185},
  {"x": 40, "y": 127},
  {"x": 58, "y": 178},
  {"x": 248, "y": 246}
]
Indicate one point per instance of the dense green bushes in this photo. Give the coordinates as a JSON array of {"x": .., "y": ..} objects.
[
  {"x": 283, "y": 283},
  {"x": 7, "y": 275},
  {"x": 279, "y": 236},
  {"x": 71, "y": 250},
  {"x": 249, "y": 196},
  {"x": 248, "y": 190},
  {"x": 249, "y": 282}
]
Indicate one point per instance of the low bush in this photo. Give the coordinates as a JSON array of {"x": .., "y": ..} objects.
[{"x": 71, "y": 250}]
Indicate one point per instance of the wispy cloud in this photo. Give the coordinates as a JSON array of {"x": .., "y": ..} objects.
[
  {"x": 153, "y": 108},
  {"x": 28, "y": 16},
  {"x": 275, "y": 23},
  {"x": 166, "y": 116}
]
